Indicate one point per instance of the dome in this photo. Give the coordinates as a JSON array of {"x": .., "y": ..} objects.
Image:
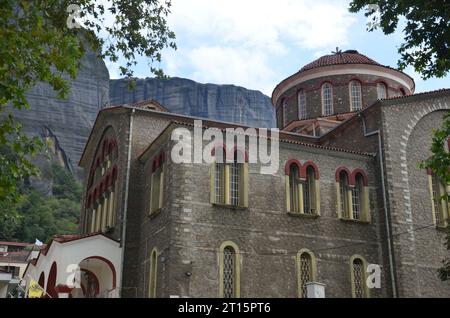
[
  {"x": 346, "y": 57},
  {"x": 339, "y": 68},
  {"x": 331, "y": 88}
]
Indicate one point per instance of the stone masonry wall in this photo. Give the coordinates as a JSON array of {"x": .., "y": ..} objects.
[
  {"x": 189, "y": 230},
  {"x": 407, "y": 133}
]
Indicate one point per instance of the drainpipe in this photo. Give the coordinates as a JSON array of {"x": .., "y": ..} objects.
[
  {"x": 125, "y": 209},
  {"x": 386, "y": 209}
]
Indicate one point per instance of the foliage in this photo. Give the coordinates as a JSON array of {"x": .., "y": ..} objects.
[
  {"x": 426, "y": 44},
  {"x": 39, "y": 42},
  {"x": 35, "y": 215},
  {"x": 440, "y": 163}
]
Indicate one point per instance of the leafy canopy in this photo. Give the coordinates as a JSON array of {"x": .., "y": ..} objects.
[
  {"x": 426, "y": 45},
  {"x": 40, "y": 42}
]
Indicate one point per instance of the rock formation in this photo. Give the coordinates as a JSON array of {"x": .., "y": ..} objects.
[
  {"x": 221, "y": 102},
  {"x": 68, "y": 122}
]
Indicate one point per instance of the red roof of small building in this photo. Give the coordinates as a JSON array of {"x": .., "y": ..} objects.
[{"x": 346, "y": 57}]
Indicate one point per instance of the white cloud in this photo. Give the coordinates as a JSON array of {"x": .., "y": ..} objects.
[
  {"x": 267, "y": 24},
  {"x": 228, "y": 65},
  {"x": 240, "y": 41}
]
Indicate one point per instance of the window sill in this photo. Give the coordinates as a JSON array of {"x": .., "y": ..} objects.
[
  {"x": 228, "y": 206},
  {"x": 442, "y": 228},
  {"x": 354, "y": 221},
  {"x": 153, "y": 214},
  {"x": 303, "y": 215}
]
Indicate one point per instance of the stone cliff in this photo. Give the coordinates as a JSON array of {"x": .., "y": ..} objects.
[
  {"x": 65, "y": 124},
  {"x": 183, "y": 96},
  {"x": 68, "y": 122}
]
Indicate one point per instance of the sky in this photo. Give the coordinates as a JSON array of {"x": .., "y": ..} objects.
[{"x": 258, "y": 43}]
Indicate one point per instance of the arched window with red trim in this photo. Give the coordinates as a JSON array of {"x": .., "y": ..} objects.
[
  {"x": 100, "y": 208},
  {"x": 302, "y": 188},
  {"x": 352, "y": 194},
  {"x": 301, "y": 100},
  {"x": 229, "y": 178},
  {"x": 343, "y": 193},
  {"x": 294, "y": 185},
  {"x": 327, "y": 99},
  {"x": 355, "y": 95}
]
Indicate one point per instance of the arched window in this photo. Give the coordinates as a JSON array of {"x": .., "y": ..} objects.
[
  {"x": 302, "y": 188},
  {"x": 327, "y": 99},
  {"x": 301, "y": 100},
  {"x": 153, "y": 274},
  {"x": 157, "y": 183},
  {"x": 306, "y": 269},
  {"x": 100, "y": 212},
  {"x": 357, "y": 197},
  {"x": 355, "y": 96},
  {"x": 381, "y": 90},
  {"x": 343, "y": 194},
  {"x": 353, "y": 195},
  {"x": 358, "y": 267},
  {"x": 294, "y": 182},
  {"x": 310, "y": 188},
  {"x": 440, "y": 206},
  {"x": 229, "y": 271},
  {"x": 229, "y": 180}
]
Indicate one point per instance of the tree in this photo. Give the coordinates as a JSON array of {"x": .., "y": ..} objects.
[
  {"x": 439, "y": 162},
  {"x": 44, "y": 40},
  {"x": 35, "y": 215},
  {"x": 427, "y": 49},
  {"x": 427, "y": 32}
]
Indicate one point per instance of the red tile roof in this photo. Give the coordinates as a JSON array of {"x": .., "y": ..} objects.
[
  {"x": 346, "y": 57},
  {"x": 16, "y": 244}
]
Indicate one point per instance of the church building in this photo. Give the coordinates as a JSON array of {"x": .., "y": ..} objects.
[{"x": 348, "y": 200}]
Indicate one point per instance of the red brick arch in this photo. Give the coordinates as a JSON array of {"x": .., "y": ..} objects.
[
  {"x": 359, "y": 171},
  {"x": 287, "y": 167},
  {"x": 304, "y": 170}
]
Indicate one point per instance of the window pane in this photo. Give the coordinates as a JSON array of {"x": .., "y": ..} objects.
[
  {"x": 302, "y": 104},
  {"x": 355, "y": 88},
  {"x": 358, "y": 275},
  {"x": 228, "y": 272},
  {"x": 308, "y": 192},
  {"x": 343, "y": 185},
  {"x": 234, "y": 183},
  {"x": 305, "y": 272},
  {"x": 381, "y": 91},
  {"x": 219, "y": 183},
  {"x": 293, "y": 183},
  {"x": 327, "y": 99}
]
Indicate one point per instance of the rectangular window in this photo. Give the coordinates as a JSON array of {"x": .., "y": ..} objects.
[
  {"x": 356, "y": 203},
  {"x": 234, "y": 184},
  {"x": 219, "y": 183}
]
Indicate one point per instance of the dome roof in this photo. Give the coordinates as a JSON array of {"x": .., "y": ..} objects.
[{"x": 346, "y": 57}]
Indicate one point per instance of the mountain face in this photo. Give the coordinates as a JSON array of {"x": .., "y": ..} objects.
[
  {"x": 183, "y": 96},
  {"x": 66, "y": 123}
]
